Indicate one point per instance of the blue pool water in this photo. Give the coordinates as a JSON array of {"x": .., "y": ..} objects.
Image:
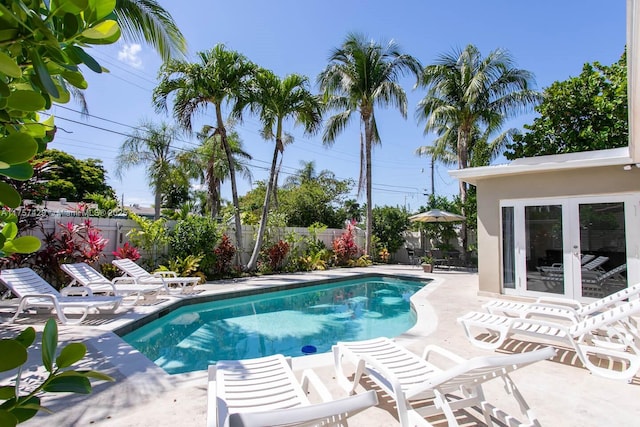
[{"x": 316, "y": 317}]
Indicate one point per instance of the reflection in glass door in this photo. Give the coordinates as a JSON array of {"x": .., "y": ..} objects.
[
  {"x": 603, "y": 257},
  {"x": 544, "y": 248}
]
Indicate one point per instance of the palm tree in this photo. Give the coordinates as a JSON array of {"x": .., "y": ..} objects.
[
  {"x": 307, "y": 174},
  {"x": 146, "y": 21},
  {"x": 217, "y": 79},
  {"x": 362, "y": 74},
  {"x": 150, "y": 145},
  {"x": 468, "y": 93},
  {"x": 278, "y": 100},
  {"x": 208, "y": 163}
]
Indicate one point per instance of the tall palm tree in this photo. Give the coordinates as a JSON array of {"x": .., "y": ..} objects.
[
  {"x": 466, "y": 92},
  {"x": 146, "y": 21},
  {"x": 276, "y": 101},
  {"x": 198, "y": 164},
  {"x": 217, "y": 79},
  {"x": 150, "y": 145},
  {"x": 363, "y": 74}
]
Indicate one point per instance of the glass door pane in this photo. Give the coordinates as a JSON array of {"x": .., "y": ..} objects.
[
  {"x": 508, "y": 248},
  {"x": 603, "y": 249},
  {"x": 544, "y": 248}
]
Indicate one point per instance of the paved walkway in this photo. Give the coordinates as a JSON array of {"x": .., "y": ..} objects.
[{"x": 144, "y": 395}]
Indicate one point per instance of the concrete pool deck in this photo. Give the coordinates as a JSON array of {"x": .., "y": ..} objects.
[{"x": 561, "y": 393}]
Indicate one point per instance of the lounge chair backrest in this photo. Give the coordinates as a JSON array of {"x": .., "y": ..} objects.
[
  {"x": 586, "y": 258},
  {"x": 606, "y": 318},
  {"x": 83, "y": 273},
  {"x": 131, "y": 268},
  {"x": 595, "y": 263},
  {"x": 481, "y": 369},
  {"x": 25, "y": 281},
  {"x": 622, "y": 294}
]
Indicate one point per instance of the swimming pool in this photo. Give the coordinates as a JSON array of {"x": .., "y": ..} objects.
[{"x": 314, "y": 318}]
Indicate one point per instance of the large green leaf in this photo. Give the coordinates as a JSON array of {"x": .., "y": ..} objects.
[
  {"x": 7, "y": 392},
  {"x": 71, "y": 354},
  {"x": 97, "y": 375},
  {"x": 10, "y": 230},
  {"x": 28, "y": 409},
  {"x": 13, "y": 354},
  {"x": 99, "y": 9},
  {"x": 75, "y": 78},
  {"x": 26, "y": 337},
  {"x": 43, "y": 75},
  {"x": 17, "y": 148},
  {"x": 7, "y": 419},
  {"x": 60, "y": 7},
  {"x": 69, "y": 384},
  {"x": 9, "y": 195},
  {"x": 49, "y": 344},
  {"x": 72, "y": 24},
  {"x": 21, "y": 171},
  {"x": 8, "y": 66},
  {"x": 26, "y": 100},
  {"x": 86, "y": 59},
  {"x": 106, "y": 32},
  {"x": 22, "y": 245}
]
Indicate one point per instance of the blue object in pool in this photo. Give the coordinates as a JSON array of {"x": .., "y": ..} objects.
[
  {"x": 193, "y": 337},
  {"x": 309, "y": 349}
]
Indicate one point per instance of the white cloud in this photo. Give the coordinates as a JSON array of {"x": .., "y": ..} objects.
[{"x": 129, "y": 55}]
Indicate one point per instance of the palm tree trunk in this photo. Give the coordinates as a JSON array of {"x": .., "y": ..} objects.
[
  {"x": 463, "y": 156},
  {"x": 157, "y": 201},
  {"x": 234, "y": 187},
  {"x": 253, "y": 262},
  {"x": 368, "y": 136}
]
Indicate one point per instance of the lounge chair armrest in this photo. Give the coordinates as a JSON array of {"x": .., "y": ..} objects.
[
  {"x": 48, "y": 296},
  {"x": 101, "y": 283},
  {"x": 75, "y": 291},
  {"x": 559, "y": 301},
  {"x": 431, "y": 349},
  {"x": 165, "y": 274},
  {"x": 550, "y": 310},
  {"x": 310, "y": 377}
]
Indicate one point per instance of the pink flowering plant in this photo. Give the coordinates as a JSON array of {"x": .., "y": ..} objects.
[{"x": 68, "y": 243}]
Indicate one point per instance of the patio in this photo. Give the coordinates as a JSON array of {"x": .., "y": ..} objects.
[{"x": 144, "y": 395}]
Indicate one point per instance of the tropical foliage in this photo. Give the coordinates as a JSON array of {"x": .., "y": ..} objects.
[
  {"x": 363, "y": 74},
  {"x": 583, "y": 113},
  {"x": 21, "y": 400},
  {"x": 277, "y": 101},
  {"x": 469, "y": 98},
  {"x": 388, "y": 225}
]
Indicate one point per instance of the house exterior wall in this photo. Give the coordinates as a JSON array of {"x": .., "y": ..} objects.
[{"x": 569, "y": 183}]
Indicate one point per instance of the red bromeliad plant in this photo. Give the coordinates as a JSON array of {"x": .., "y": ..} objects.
[
  {"x": 345, "y": 247},
  {"x": 224, "y": 252},
  {"x": 126, "y": 251}
]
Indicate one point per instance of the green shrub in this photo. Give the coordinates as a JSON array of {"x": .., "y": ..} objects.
[{"x": 195, "y": 235}]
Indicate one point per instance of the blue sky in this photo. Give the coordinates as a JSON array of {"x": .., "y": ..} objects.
[{"x": 550, "y": 38}]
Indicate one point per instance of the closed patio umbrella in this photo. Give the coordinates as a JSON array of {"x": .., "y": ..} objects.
[{"x": 436, "y": 215}]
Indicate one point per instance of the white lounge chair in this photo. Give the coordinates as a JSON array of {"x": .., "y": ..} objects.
[
  {"x": 164, "y": 278},
  {"x": 265, "y": 392},
  {"x": 560, "y": 307},
  {"x": 83, "y": 274},
  {"x": 34, "y": 292},
  {"x": 604, "y": 336},
  {"x": 406, "y": 377}
]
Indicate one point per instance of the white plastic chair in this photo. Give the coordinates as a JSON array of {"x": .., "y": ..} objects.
[
  {"x": 85, "y": 275},
  {"x": 406, "y": 377},
  {"x": 34, "y": 292},
  {"x": 164, "y": 278},
  {"x": 265, "y": 392},
  {"x": 605, "y": 336}
]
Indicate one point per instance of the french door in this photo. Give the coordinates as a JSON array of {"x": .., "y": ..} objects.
[{"x": 582, "y": 247}]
